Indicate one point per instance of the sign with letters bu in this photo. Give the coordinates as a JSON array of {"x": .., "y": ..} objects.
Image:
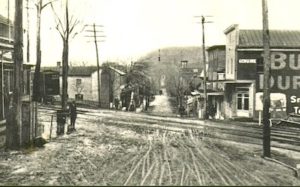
[{"x": 285, "y": 78}]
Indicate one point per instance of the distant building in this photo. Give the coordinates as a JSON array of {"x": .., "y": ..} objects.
[
  {"x": 112, "y": 83},
  {"x": 216, "y": 74},
  {"x": 83, "y": 83},
  {"x": 190, "y": 86}
]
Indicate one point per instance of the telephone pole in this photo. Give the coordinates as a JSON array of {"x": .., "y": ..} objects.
[
  {"x": 266, "y": 95},
  {"x": 8, "y": 20},
  {"x": 28, "y": 27},
  {"x": 95, "y": 36},
  {"x": 203, "y": 21},
  {"x": 16, "y": 122}
]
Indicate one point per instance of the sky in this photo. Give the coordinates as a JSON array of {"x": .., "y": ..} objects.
[{"x": 133, "y": 28}]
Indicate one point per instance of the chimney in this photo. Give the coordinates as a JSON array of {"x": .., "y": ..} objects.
[{"x": 58, "y": 64}]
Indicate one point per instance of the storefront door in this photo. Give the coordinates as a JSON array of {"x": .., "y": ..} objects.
[{"x": 243, "y": 103}]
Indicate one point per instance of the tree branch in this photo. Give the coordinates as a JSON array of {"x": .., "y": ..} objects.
[
  {"x": 73, "y": 25},
  {"x": 60, "y": 32},
  {"x": 59, "y": 23},
  {"x": 45, "y": 5}
]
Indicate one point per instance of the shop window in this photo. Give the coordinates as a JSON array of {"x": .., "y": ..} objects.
[{"x": 260, "y": 65}]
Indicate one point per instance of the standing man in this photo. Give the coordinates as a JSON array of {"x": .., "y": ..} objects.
[
  {"x": 73, "y": 114},
  {"x": 116, "y": 101}
]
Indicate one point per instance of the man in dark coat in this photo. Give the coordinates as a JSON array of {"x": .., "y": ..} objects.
[{"x": 73, "y": 114}]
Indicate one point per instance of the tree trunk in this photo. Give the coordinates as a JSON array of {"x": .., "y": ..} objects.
[
  {"x": 36, "y": 80},
  {"x": 65, "y": 75},
  {"x": 65, "y": 61}
]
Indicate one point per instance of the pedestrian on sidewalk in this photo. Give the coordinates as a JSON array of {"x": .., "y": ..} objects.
[
  {"x": 73, "y": 114},
  {"x": 116, "y": 102}
]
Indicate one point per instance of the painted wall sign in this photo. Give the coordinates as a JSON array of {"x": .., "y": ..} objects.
[{"x": 285, "y": 78}]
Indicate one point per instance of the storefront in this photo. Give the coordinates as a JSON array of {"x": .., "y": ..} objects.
[{"x": 239, "y": 99}]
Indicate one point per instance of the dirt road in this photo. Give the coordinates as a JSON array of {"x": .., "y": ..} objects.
[
  {"x": 105, "y": 151},
  {"x": 161, "y": 105}
]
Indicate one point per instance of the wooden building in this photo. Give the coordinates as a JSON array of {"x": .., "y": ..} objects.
[
  {"x": 243, "y": 84},
  {"x": 216, "y": 74},
  {"x": 7, "y": 86}
]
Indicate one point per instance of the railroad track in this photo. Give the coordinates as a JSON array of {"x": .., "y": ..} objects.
[{"x": 282, "y": 137}]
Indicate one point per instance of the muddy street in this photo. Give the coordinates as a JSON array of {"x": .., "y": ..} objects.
[{"x": 107, "y": 150}]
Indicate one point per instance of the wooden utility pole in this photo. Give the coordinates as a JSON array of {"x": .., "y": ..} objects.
[
  {"x": 204, "y": 69},
  {"x": 16, "y": 123},
  {"x": 98, "y": 68},
  {"x": 8, "y": 20},
  {"x": 2, "y": 87},
  {"x": 266, "y": 95},
  {"x": 203, "y": 21},
  {"x": 28, "y": 27},
  {"x": 95, "y": 36}
]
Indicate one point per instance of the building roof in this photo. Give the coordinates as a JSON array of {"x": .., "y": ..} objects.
[
  {"x": 4, "y": 20},
  {"x": 222, "y": 47},
  {"x": 81, "y": 70},
  {"x": 278, "y": 38},
  {"x": 116, "y": 70},
  {"x": 74, "y": 70}
]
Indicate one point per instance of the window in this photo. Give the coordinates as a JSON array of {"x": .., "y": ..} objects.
[
  {"x": 8, "y": 80},
  {"x": 242, "y": 100},
  {"x": 184, "y": 63},
  {"x": 231, "y": 66},
  {"x": 260, "y": 65},
  {"x": 79, "y": 97},
  {"x": 78, "y": 82},
  {"x": 26, "y": 82}
]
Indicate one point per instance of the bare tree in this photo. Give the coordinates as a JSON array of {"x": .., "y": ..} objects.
[
  {"x": 36, "y": 80},
  {"x": 66, "y": 30},
  {"x": 36, "y": 89}
]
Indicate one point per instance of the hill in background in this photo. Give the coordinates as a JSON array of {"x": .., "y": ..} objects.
[{"x": 175, "y": 55}]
